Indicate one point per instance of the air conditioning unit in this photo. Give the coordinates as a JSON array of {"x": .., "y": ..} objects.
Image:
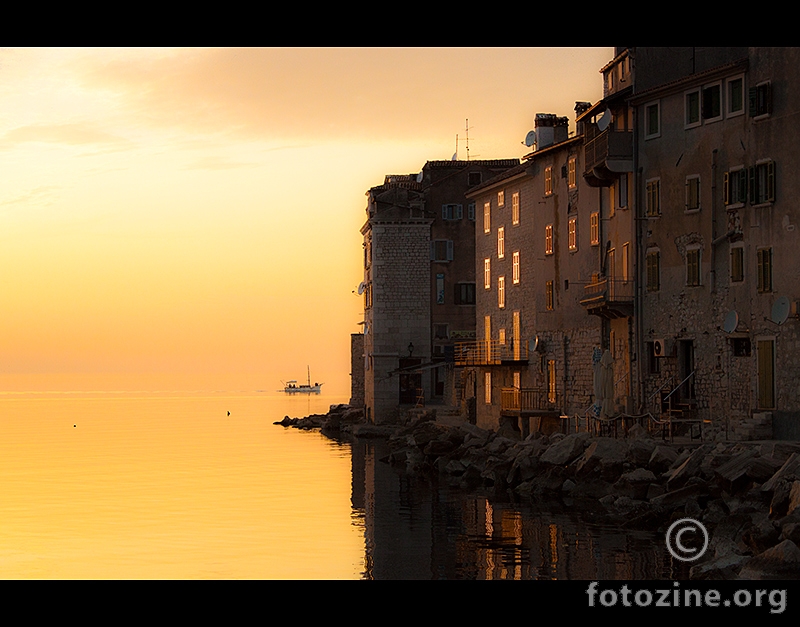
[{"x": 660, "y": 348}]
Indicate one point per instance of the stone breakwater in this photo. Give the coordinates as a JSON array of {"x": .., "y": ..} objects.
[{"x": 746, "y": 494}]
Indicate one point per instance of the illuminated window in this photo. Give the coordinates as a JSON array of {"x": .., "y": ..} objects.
[
  {"x": 501, "y": 242},
  {"x": 625, "y": 261},
  {"x": 487, "y": 388},
  {"x": 515, "y": 208},
  {"x": 501, "y": 199},
  {"x": 548, "y": 239},
  {"x": 573, "y": 233},
  {"x": 487, "y": 217},
  {"x": 551, "y": 380},
  {"x": 515, "y": 267},
  {"x": 487, "y": 273},
  {"x": 548, "y": 180},
  {"x": 594, "y": 228},
  {"x": 502, "y": 337},
  {"x": 548, "y": 296},
  {"x": 501, "y": 292},
  {"x": 572, "y": 176}
]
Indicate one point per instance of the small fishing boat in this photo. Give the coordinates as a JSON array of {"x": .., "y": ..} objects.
[{"x": 292, "y": 387}]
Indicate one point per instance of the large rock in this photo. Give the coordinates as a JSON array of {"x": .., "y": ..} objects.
[
  {"x": 605, "y": 454},
  {"x": 688, "y": 469},
  {"x": 779, "y": 562},
  {"x": 565, "y": 450}
]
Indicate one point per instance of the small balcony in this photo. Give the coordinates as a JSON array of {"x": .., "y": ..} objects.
[
  {"x": 528, "y": 401},
  {"x": 490, "y": 352},
  {"x": 607, "y": 154},
  {"x": 609, "y": 298}
]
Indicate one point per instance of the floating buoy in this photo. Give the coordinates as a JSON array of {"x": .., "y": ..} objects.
[{"x": 229, "y": 413}]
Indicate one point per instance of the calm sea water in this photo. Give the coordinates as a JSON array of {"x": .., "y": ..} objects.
[{"x": 168, "y": 485}]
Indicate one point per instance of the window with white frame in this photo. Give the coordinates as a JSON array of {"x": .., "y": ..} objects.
[
  {"x": 487, "y": 273},
  {"x": 501, "y": 198},
  {"x": 652, "y": 120},
  {"x": 693, "y": 192},
  {"x": 548, "y": 239},
  {"x": 653, "y": 199},
  {"x": 760, "y": 99},
  {"x": 594, "y": 228},
  {"x": 734, "y": 96},
  {"x": 515, "y": 208},
  {"x": 501, "y": 292},
  {"x": 573, "y": 234},
  {"x": 487, "y": 217},
  {"x": 501, "y": 242},
  {"x": 548, "y": 180},
  {"x": 515, "y": 267},
  {"x": 693, "y": 259},
  {"x": 712, "y": 102},
  {"x": 572, "y": 172},
  {"x": 691, "y": 108}
]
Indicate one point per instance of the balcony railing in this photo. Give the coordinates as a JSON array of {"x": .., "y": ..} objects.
[
  {"x": 612, "y": 298},
  {"x": 608, "y": 153},
  {"x": 490, "y": 352},
  {"x": 527, "y": 400}
]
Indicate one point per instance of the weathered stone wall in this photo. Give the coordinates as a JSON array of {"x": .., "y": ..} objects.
[{"x": 356, "y": 369}]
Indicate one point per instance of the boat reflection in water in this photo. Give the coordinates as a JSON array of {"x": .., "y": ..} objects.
[{"x": 414, "y": 530}]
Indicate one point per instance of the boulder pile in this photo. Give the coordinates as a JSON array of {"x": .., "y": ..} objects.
[{"x": 746, "y": 494}]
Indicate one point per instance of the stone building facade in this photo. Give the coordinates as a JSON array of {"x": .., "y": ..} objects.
[
  {"x": 718, "y": 233},
  {"x": 419, "y": 284}
]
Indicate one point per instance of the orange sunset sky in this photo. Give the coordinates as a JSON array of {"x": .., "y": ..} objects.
[{"x": 193, "y": 215}]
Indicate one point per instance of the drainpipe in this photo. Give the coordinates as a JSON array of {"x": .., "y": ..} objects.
[
  {"x": 640, "y": 223},
  {"x": 712, "y": 279}
]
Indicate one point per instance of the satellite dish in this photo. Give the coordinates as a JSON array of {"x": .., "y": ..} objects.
[
  {"x": 780, "y": 310},
  {"x": 362, "y": 286},
  {"x": 731, "y": 321},
  {"x": 530, "y": 138},
  {"x": 535, "y": 344},
  {"x": 419, "y": 177},
  {"x": 454, "y": 157},
  {"x": 604, "y": 120}
]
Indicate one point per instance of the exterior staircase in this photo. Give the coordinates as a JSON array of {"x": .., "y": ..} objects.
[{"x": 757, "y": 427}]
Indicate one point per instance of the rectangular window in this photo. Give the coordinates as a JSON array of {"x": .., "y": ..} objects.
[
  {"x": 712, "y": 102},
  {"x": 573, "y": 234},
  {"x": 760, "y": 100},
  {"x": 452, "y": 212},
  {"x": 515, "y": 208},
  {"x": 735, "y": 96},
  {"x": 692, "y": 109},
  {"x": 653, "y": 198},
  {"x": 515, "y": 267},
  {"x": 501, "y": 337},
  {"x": 501, "y": 199},
  {"x": 440, "y": 289},
  {"x": 622, "y": 191},
  {"x": 762, "y": 183},
  {"x": 442, "y": 250},
  {"x": 516, "y": 380},
  {"x": 487, "y": 217},
  {"x": 487, "y": 273},
  {"x": 551, "y": 381},
  {"x": 653, "y": 262},
  {"x": 737, "y": 264},
  {"x": 548, "y": 296},
  {"x": 594, "y": 228},
  {"x": 734, "y": 187},
  {"x": 501, "y": 242},
  {"x": 465, "y": 293},
  {"x": 548, "y": 239},
  {"x": 487, "y": 388},
  {"x": 652, "y": 120},
  {"x": 693, "y": 266},
  {"x": 693, "y": 193},
  {"x": 764, "y": 266},
  {"x": 501, "y": 292},
  {"x": 625, "y": 260},
  {"x": 548, "y": 180},
  {"x": 474, "y": 178},
  {"x": 766, "y": 373},
  {"x": 471, "y": 211},
  {"x": 572, "y": 172}
]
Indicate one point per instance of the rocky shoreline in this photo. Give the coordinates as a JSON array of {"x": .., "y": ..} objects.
[{"x": 746, "y": 494}]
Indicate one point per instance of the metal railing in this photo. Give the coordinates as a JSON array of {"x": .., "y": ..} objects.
[
  {"x": 608, "y": 145},
  {"x": 611, "y": 290},
  {"x": 488, "y": 352},
  {"x": 527, "y": 399}
]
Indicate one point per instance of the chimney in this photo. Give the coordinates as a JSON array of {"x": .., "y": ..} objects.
[
  {"x": 581, "y": 107},
  {"x": 550, "y": 129}
]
